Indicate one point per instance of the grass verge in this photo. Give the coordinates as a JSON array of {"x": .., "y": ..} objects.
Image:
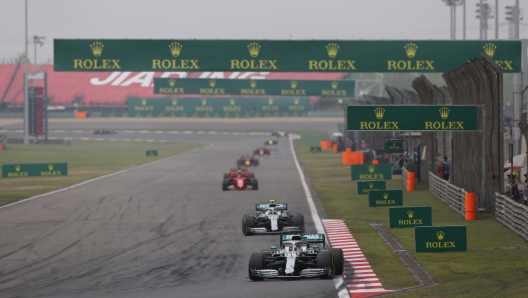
[
  {"x": 86, "y": 160},
  {"x": 495, "y": 264}
]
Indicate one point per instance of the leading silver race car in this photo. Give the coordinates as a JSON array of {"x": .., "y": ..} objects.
[
  {"x": 272, "y": 218},
  {"x": 298, "y": 256}
]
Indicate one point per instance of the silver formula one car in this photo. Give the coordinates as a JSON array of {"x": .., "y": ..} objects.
[
  {"x": 272, "y": 218},
  {"x": 298, "y": 256}
]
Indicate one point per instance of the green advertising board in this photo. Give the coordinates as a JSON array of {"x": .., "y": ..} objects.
[
  {"x": 363, "y": 187},
  {"x": 410, "y": 217},
  {"x": 280, "y": 55},
  {"x": 152, "y": 153},
  {"x": 440, "y": 239},
  {"x": 385, "y": 198},
  {"x": 254, "y": 87},
  {"x": 393, "y": 146},
  {"x": 315, "y": 149},
  {"x": 219, "y": 107},
  {"x": 371, "y": 172},
  {"x": 412, "y": 117},
  {"x": 34, "y": 170}
]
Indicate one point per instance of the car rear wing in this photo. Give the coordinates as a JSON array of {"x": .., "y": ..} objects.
[
  {"x": 310, "y": 238},
  {"x": 262, "y": 207}
]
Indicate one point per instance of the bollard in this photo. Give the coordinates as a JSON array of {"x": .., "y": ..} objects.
[
  {"x": 471, "y": 205},
  {"x": 410, "y": 181},
  {"x": 335, "y": 148}
]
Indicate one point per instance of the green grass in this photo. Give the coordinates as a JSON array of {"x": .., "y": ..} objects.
[
  {"x": 86, "y": 160},
  {"x": 495, "y": 265}
]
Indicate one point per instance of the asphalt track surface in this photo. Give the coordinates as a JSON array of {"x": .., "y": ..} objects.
[{"x": 162, "y": 230}]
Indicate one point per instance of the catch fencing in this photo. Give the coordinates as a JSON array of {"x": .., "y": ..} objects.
[
  {"x": 511, "y": 214},
  {"x": 447, "y": 192}
]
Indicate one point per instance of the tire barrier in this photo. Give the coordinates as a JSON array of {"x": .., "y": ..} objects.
[
  {"x": 352, "y": 158},
  {"x": 471, "y": 205},
  {"x": 325, "y": 144},
  {"x": 411, "y": 181},
  {"x": 511, "y": 214},
  {"x": 447, "y": 192}
]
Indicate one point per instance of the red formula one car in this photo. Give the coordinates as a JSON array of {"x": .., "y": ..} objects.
[
  {"x": 262, "y": 151},
  {"x": 248, "y": 161},
  {"x": 239, "y": 179}
]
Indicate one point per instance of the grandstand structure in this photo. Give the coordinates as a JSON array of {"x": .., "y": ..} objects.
[{"x": 110, "y": 91}]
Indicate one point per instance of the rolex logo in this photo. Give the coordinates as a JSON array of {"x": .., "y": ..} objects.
[
  {"x": 174, "y": 101},
  {"x": 293, "y": 84},
  {"x": 254, "y": 49},
  {"x": 270, "y": 101},
  {"x": 410, "y": 49},
  {"x": 50, "y": 167},
  {"x": 296, "y": 101},
  {"x": 212, "y": 83},
  {"x": 172, "y": 82},
  {"x": 334, "y": 84},
  {"x": 332, "y": 49},
  {"x": 371, "y": 185},
  {"x": 371, "y": 168},
  {"x": 385, "y": 196},
  {"x": 444, "y": 112},
  {"x": 175, "y": 49},
  {"x": 232, "y": 101},
  {"x": 489, "y": 49},
  {"x": 379, "y": 111},
  {"x": 97, "y": 48},
  {"x": 17, "y": 168},
  {"x": 393, "y": 144},
  {"x": 204, "y": 101},
  {"x": 144, "y": 101},
  {"x": 440, "y": 235},
  {"x": 410, "y": 214},
  {"x": 253, "y": 83}
]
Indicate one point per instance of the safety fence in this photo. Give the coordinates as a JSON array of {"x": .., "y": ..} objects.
[
  {"x": 447, "y": 192},
  {"x": 511, "y": 214}
]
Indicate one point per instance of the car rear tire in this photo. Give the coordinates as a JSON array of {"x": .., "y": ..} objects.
[
  {"x": 256, "y": 261},
  {"x": 248, "y": 221},
  {"x": 251, "y": 175},
  {"x": 254, "y": 183},
  {"x": 298, "y": 220},
  {"x": 325, "y": 259},
  {"x": 226, "y": 176},
  {"x": 225, "y": 184},
  {"x": 339, "y": 260}
]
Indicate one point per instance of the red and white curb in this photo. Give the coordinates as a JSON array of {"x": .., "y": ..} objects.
[{"x": 362, "y": 282}]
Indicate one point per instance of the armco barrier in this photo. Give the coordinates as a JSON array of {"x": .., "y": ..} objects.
[
  {"x": 447, "y": 192},
  {"x": 511, "y": 214}
]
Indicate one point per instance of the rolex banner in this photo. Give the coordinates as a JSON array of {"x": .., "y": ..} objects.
[
  {"x": 34, "y": 169},
  {"x": 412, "y": 117},
  {"x": 151, "y": 153},
  {"x": 280, "y": 55},
  {"x": 371, "y": 172},
  {"x": 254, "y": 87},
  {"x": 385, "y": 198},
  {"x": 440, "y": 239},
  {"x": 393, "y": 146},
  {"x": 363, "y": 187},
  {"x": 410, "y": 217},
  {"x": 217, "y": 107}
]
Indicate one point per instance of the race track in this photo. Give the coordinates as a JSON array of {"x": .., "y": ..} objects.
[{"x": 161, "y": 230}]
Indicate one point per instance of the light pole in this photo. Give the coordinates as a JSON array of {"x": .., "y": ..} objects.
[
  {"x": 453, "y": 4},
  {"x": 26, "y": 99},
  {"x": 484, "y": 12}
]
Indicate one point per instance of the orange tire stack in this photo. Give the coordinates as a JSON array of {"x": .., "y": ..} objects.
[
  {"x": 471, "y": 205},
  {"x": 410, "y": 181},
  {"x": 325, "y": 144},
  {"x": 375, "y": 162},
  {"x": 352, "y": 158}
]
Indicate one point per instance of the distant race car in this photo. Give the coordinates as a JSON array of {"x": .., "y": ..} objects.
[
  {"x": 248, "y": 161},
  {"x": 239, "y": 179},
  {"x": 272, "y": 218},
  {"x": 297, "y": 256},
  {"x": 104, "y": 131},
  {"x": 262, "y": 151},
  {"x": 279, "y": 134},
  {"x": 271, "y": 142}
]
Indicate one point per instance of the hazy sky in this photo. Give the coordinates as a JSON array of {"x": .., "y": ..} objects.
[{"x": 235, "y": 19}]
